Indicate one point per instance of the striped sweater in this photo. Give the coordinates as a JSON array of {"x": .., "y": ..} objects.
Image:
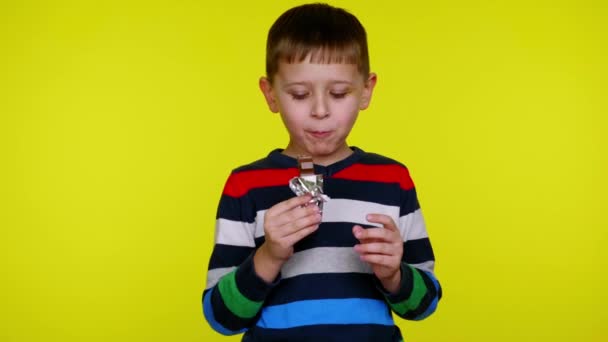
[{"x": 324, "y": 291}]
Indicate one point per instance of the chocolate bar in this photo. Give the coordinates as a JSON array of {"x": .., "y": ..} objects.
[{"x": 308, "y": 182}]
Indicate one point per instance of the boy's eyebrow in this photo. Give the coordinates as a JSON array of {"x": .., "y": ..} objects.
[{"x": 306, "y": 82}]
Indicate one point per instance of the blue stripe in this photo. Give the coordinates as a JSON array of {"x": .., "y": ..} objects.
[
  {"x": 208, "y": 311},
  {"x": 326, "y": 311},
  {"x": 433, "y": 305}
]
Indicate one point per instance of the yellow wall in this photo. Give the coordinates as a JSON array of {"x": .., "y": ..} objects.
[{"x": 119, "y": 122}]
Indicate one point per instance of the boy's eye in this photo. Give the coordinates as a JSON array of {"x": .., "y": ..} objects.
[
  {"x": 299, "y": 96},
  {"x": 339, "y": 95}
]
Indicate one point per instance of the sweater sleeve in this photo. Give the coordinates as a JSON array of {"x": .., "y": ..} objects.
[
  {"x": 420, "y": 290},
  {"x": 234, "y": 293}
]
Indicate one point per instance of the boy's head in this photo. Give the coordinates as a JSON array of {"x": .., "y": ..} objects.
[
  {"x": 320, "y": 32},
  {"x": 318, "y": 79}
]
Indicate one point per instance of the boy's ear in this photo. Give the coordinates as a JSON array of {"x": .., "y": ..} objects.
[
  {"x": 266, "y": 89},
  {"x": 368, "y": 90}
]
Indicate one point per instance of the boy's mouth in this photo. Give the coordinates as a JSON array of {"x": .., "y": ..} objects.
[{"x": 319, "y": 134}]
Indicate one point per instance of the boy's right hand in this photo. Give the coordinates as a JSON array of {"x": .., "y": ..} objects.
[
  {"x": 285, "y": 224},
  {"x": 288, "y": 222}
]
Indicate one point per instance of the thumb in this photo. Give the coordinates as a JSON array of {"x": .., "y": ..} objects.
[
  {"x": 357, "y": 230},
  {"x": 386, "y": 221}
]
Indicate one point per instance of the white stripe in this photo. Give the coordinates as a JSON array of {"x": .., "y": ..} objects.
[
  {"x": 324, "y": 260},
  {"x": 347, "y": 210},
  {"x": 214, "y": 275},
  {"x": 428, "y": 266},
  {"x": 259, "y": 224},
  {"x": 412, "y": 226},
  {"x": 234, "y": 233},
  {"x": 341, "y": 210}
]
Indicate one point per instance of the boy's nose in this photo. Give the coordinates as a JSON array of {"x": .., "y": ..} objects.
[{"x": 320, "y": 109}]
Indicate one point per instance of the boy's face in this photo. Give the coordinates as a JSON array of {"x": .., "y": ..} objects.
[{"x": 319, "y": 104}]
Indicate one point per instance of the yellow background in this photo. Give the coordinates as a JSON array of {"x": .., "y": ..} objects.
[{"x": 120, "y": 121}]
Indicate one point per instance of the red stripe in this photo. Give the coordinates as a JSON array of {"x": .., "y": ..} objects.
[
  {"x": 391, "y": 173},
  {"x": 240, "y": 183}
]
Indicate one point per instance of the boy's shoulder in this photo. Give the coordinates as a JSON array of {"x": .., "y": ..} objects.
[
  {"x": 378, "y": 167},
  {"x": 271, "y": 161},
  {"x": 378, "y": 159}
]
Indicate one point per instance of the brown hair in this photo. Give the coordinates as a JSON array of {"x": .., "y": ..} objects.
[{"x": 325, "y": 33}]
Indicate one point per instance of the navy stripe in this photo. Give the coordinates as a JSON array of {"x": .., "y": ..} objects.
[
  {"x": 340, "y": 234},
  {"x": 417, "y": 251},
  {"x": 376, "y": 159},
  {"x": 259, "y": 240},
  {"x": 236, "y": 209},
  {"x": 327, "y": 333},
  {"x": 329, "y": 234},
  {"x": 377, "y": 192},
  {"x": 325, "y": 285},
  {"x": 227, "y": 256},
  {"x": 267, "y": 197},
  {"x": 326, "y": 311},
  {"x": 409, "y": 202},
  {"x": 222, "y": 315}
]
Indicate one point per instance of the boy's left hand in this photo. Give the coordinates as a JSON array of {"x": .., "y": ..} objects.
[{"x": 382, "y": 248}]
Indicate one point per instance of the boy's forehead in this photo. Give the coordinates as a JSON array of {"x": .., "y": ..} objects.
[{"x": 308, "y": 71}]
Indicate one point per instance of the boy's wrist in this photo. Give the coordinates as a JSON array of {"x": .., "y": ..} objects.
[
  {"x": 393, "y": 283},
  {"x": 266, "y": 266}
]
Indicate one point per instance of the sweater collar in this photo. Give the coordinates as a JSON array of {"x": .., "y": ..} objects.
[{"x": 327, "y": 171}]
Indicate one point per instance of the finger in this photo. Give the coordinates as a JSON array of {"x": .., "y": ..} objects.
[
  {"x": 290, "y": 204},
  {"x": 379, "y": 260},
  {"x": 376, "y": 248},
  {"x": 385, "y": 220},
  {"x": 293, "y": 238},
  {"x": 377, "y": 234},
  {"x": 289, "y": 217},
  {"x": 299, "y": 224}
]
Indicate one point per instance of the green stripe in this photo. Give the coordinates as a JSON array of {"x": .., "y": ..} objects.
[
  {"x": 418, "y": 291},
  {"x": 240, "y": 305}
]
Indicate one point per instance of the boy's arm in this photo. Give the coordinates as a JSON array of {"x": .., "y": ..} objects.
[
  {"x": 419, "y": 290},
  {"x": 240, "y": 276},
  {"x": 234, "y": 293}
]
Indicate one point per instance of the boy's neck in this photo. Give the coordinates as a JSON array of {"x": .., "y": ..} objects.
[{"x": 324, "y": 160}]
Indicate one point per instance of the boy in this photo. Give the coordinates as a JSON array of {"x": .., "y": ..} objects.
[{"x": 281, "y": 269}]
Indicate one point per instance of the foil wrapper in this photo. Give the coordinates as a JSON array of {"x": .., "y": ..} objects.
[{"x": 309, "y": 183}]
